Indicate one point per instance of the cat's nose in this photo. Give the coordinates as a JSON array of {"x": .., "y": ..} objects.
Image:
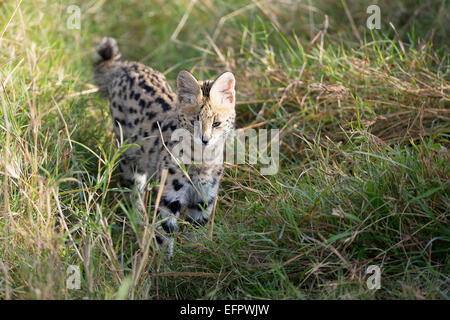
[{"x": 205, "y": 139}]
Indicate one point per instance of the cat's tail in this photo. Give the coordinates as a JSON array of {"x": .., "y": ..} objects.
[{"x": 106, "y": 63}]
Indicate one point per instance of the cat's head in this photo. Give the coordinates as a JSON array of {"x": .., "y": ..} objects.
[{"x": 206, "y": 109}]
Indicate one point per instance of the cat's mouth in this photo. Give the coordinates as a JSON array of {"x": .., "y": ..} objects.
[
  {"x": 215, "y": 140},
  {"x": 197, "y": 140}
]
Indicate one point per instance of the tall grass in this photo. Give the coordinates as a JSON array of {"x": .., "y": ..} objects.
[{"x": 364, "y": 163}]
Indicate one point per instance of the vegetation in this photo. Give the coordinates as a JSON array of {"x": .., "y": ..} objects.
[{"x": 364, "y": 122}]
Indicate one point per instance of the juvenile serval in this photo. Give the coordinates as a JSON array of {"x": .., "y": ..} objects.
[{"x": 146, "y": 111}]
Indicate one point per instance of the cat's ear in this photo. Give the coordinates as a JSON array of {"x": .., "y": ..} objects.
[
  {"x": 222, "y": 92},
  {"x": 189, "y": 91}
]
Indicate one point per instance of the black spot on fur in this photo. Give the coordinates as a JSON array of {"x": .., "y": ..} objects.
[
  {"x": 159, "y": 239},
  {"x": 146, "y": 87},
  {"x": 170, "y": 124},
  {"x": 164, "y": 104},
  {"x": 130, "y": 79},
  {"x": 172, "y": 171},
  {"x": 174, "y": 206},
  {"x": 177, "y": 185},
  {"x": 150, "y": 115},
  {"x": 206, "y": 88},
  {"x": 168, "y": 227},
  {"x": 106, "y": 52}
]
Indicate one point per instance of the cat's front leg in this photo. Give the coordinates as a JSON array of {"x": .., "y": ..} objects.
[
  {"x": 169, "y": 212},
  {"x": 199, "y": 213}
]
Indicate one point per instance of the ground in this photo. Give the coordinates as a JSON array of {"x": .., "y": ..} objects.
[{"x": 364, "y": 164}]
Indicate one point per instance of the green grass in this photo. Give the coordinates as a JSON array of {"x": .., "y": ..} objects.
[{"x": 364, "y": 120}]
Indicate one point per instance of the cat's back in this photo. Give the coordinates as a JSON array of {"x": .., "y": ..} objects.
[{"x": 139, "y": 97}]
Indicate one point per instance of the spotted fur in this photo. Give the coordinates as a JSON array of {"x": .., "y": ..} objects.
[{"x": 142, "y": 103}]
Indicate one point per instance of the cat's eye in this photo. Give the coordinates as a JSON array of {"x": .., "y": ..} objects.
[{"x": 216, "y": 124}]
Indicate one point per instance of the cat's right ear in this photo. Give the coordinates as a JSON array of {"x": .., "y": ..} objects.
[{"x": 188, "y": 89}]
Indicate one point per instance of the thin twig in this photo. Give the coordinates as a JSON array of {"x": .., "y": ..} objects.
[
  {"x": 212, "y": 219},
  {"x": 183, "y": 20},
  {"x": 352, "y": 22}
]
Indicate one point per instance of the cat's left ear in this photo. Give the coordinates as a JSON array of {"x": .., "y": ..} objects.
[
  {"x": 222, "y": 92},
  {"x": 189, "y": 91}
]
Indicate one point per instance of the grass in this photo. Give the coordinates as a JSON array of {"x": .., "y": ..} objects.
[{"x": 364, "y": 120}]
